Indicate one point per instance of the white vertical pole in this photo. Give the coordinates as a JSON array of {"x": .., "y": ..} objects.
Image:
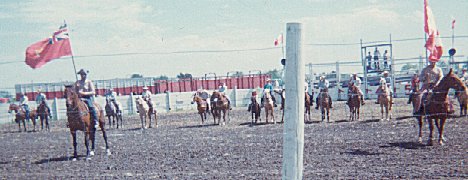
[
  {"x": 338, "y": 79},
  {"x": 293, "y": 133}
]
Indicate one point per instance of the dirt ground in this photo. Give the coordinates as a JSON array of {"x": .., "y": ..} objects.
[{"x": 181, "y": 148}]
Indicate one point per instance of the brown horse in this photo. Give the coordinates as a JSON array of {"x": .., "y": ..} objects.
[
  {"x": 437, "y": 107},
  {"x": 255, "y": 110},
  {"x": 416, "y": 102},
  {"x": 202, "y": 106},
  {"x": 79, "y": 119},
  {"x": 269, "y": 107},
  {"x": 283, "y": 97},
  {"x": 354, "y": 102},
  {"x": 114, "y": 113},
  {"x": 219, "y": 104},
  {"x": 384, "y": 100},
  {"x": 43, "y": 114},
  {"x": 20, "y": 116},
  {"x": 324, "y": 104},
  {"x": 462, "y": 97},
  {"x": 307, "y": 104}
]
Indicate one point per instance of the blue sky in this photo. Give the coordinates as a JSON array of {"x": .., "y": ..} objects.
[{"x": 117, "y": 26}]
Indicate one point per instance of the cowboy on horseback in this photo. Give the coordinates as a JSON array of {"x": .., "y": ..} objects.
[
  {"x": 222, "y": 90},
  {"x": 388, "y": 82},
  {"x": 204, "y": 95},
  {"x": 382, "y": 90},
  {"x": 86, "y": 91},
  {"x": 24, "y": 104},
  {"x": 110, "y": 95},
  {"x": 355, "y": 81},
  {"x": 268, "y": 86},
  {"x": 146, "y": 95},
  {"x": 430, "y": 77},
  {"x": 414, "y": 86},
  {"x": 254, "y": 96},
  {"x": 323, "y": 86},
  {"x": 42, "y": 99}
]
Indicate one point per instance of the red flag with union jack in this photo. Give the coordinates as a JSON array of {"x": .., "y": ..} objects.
[{"x": 54, "y": 47}]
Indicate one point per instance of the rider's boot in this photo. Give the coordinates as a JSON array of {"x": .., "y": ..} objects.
[
  {"x": 331, "y": 102},
  {"x": 362, "y": 101},
  {"x": 410, "y": 98},
  {"x": 249, "y": 108}
]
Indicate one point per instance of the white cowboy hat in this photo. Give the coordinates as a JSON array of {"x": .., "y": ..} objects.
[
  {"x": 38, "y": 89},
  {"x": 145, "y": 88},
  {"x": 385, "y": 72}
]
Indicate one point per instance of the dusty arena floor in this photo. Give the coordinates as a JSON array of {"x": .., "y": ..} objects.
[{"x": 182, "y": 149}]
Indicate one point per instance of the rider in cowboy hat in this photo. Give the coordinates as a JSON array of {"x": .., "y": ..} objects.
[
  {"x": 268, "y": 86},
  {"x": 110, "y": 95},
  {"x": 24, "y": 104},
  {"x": 388, "y": 82},
  {"x": 356, "y": 81},
  {"x": 41, "y": 98},
  {"x": 323, "y": 86},
  {"x": 430, "y": 77},
  {"x": 86, "y": 91},
  {"x": 414, "y": 86},
  {"x": 146, "y": 95}
]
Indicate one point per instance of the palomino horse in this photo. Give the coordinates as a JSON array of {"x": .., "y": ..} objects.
[
  {"x": 269, "y": 107},
  {"x": 219, "y": 104},
  {"x": 20, "y": 116},
  {"x": 79, "y": 119},
  {"x": 145, "y": 113},
  {"x": 114, "y": 112},
  {"x": 384, "y": 100},
  {"x": 43, "y": 114},
  {"x": 283, "y": 97},
  {"x": 255, "y": 110},
  {"x": 462, "y": 97},
  {"x": 437, "y": 106},
  {"x": 202, "y": 106},
  {"x": 324, "y": 104},
  {"x": 354, "y": 102}
]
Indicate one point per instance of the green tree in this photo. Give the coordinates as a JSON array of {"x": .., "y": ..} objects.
[
  {"x": 136, "y": 76},
  {"x": 409, "y": 66},
  {"x": 162, "y": 77},
  {"x": 275, "y": 73}
]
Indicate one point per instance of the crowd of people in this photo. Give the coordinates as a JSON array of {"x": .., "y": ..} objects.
[{"x": 374, "y": 61}]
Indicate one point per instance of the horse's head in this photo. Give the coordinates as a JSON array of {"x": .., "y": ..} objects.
[
  {"x": 13, "y": 107},
  {"x": 71, "y": 97},
  {"x": 196, "y": 98},
  {"x": 452, "y": 81}
]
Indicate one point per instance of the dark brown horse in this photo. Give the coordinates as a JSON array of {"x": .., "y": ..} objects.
[
  {"x": 79, "y": 119},
  {"x": 219, "y": 104},
  {"x": 307, "y": 104},
  {"x": 437, "y": 107},
  {"x": 43, "y": 114},
  {"x": 354, "y": 102},
  {"x": 462, "y": 97},
  {"x": 255, "y": 110},
  {"x": 114, "y": 113},
  {"x": 324, "y": 104},
  {"x": 283, "y": 97},
  {"x": 20, "y": 116},
  {"x": 202, "y": 106}
]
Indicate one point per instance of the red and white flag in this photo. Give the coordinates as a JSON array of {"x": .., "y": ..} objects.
[
  {"x": 57, "y": 46},
  {"x": 279, "y": 40},
  {"x": 433, "y": 43}
]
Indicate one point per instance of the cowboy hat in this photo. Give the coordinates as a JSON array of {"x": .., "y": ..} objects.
[
  {"x": 385, "y": 72},
  {"x": 145, "y": 88},
  {"x": 83, "y": 71}
]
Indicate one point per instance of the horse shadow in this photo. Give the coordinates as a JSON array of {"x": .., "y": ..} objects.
[
  {"x": 256, "y": 124},
  {"x": 404, "y": 117},
  {"x": 405, "y": 145},
  {"x": 197, "y": 126},
  {"x": 4, "y": 162},
  {"x": 133, "y": 129},
  {"x": 57, "y": 159},
  {"x": 312, "y": 122},
  {"x": 360, "y": 152},
  {"x": 370, "y": 121}
]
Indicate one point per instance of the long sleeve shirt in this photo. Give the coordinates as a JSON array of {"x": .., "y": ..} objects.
[
  {"x": 40, "y": 97},
  {"x": 24, "y": 100}
]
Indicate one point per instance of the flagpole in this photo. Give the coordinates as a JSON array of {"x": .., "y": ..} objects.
[
  {"x": 282, "y": 45},
  {"x": 72, "y": 57}
]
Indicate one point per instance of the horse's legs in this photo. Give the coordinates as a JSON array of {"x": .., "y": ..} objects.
[
  {"x": 381, "y": 111},
  {"x": 328, "y": 114},
  {"x": 104, "y": 135},
  {"x": 273, "y": 117},
  {"x": 24, "y": 125},
  {"x": 357, "y": 112},
  {"x": 86, "y": 138},
  {"x": 420, "y": 123},
  {"x": 73, "y": 133},
  {"x": 93, "y": 139},
  {"x": 149, "y": 119},
  {"x": 110, "y": 123},
  {"x": 431, "y": 131}
]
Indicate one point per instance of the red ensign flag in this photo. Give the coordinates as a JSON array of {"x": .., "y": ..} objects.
[
  {"x": 41, "y": 52},
  {"x": 433, "y": 43}
]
